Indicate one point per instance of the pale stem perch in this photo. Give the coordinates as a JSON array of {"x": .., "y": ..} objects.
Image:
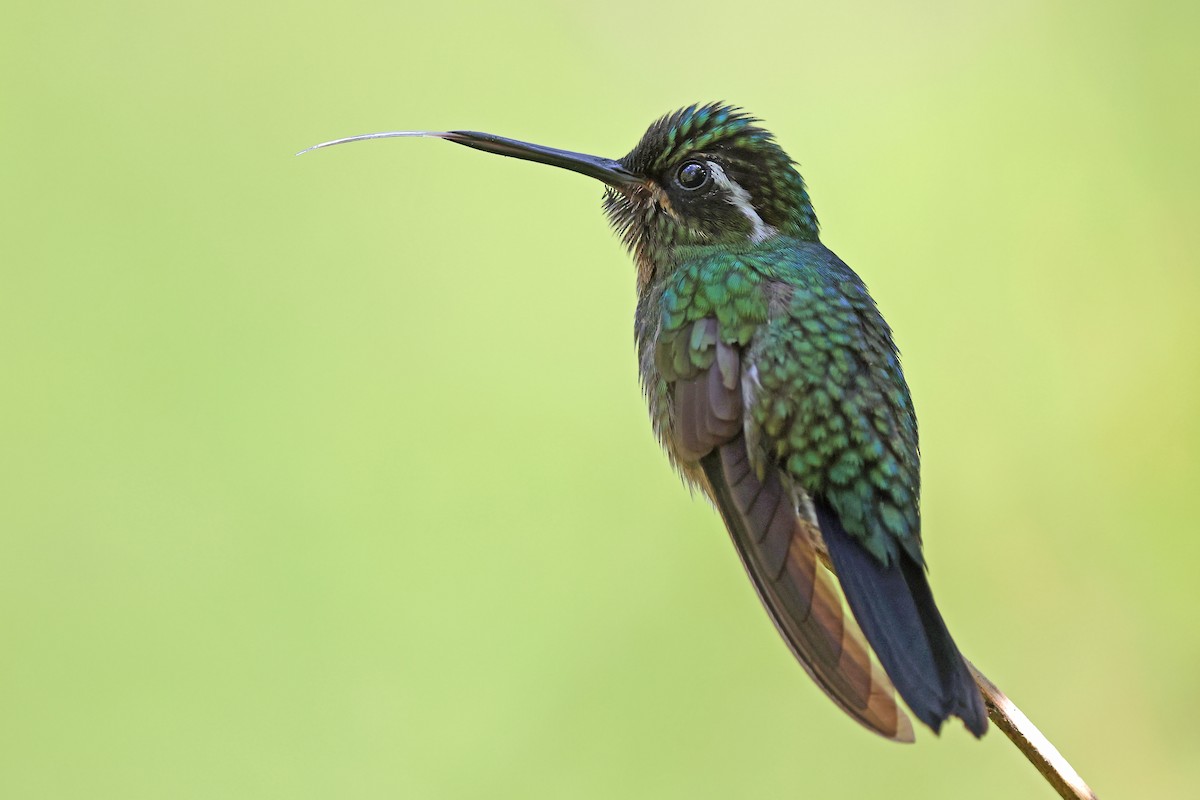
[{"x": 1030, "y": 741}]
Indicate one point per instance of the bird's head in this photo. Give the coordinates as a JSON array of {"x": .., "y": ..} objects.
[
  {"x": 704, "y": 175},
  {"x": 708, "y": 175}
]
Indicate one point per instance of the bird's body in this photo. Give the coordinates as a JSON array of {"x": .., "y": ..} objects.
[{"x": 774, "y": 386}]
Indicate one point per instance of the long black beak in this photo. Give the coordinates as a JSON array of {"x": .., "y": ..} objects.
[{"x": 605, "y": 169}]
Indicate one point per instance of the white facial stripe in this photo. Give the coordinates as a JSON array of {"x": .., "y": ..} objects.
[{"x": 740, "y": 198}]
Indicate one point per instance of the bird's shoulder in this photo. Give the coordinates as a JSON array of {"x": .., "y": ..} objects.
[
  {"x": 825, "y": 397},
  {"x": 785, "y": 286}
]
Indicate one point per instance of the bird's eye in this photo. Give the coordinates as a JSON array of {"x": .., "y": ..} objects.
[{"x": 692, "y": 175}]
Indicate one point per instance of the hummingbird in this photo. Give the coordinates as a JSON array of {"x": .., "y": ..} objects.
[{"x": 775, "y": 387}]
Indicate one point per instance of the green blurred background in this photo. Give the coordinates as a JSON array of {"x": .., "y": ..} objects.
[{"x": 330, "y": 477}]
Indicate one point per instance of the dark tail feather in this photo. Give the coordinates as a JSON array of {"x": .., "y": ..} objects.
[{"x": 894, "y": 606}]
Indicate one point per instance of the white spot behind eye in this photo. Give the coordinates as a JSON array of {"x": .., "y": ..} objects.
[{"x": 740, "y": 199}]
